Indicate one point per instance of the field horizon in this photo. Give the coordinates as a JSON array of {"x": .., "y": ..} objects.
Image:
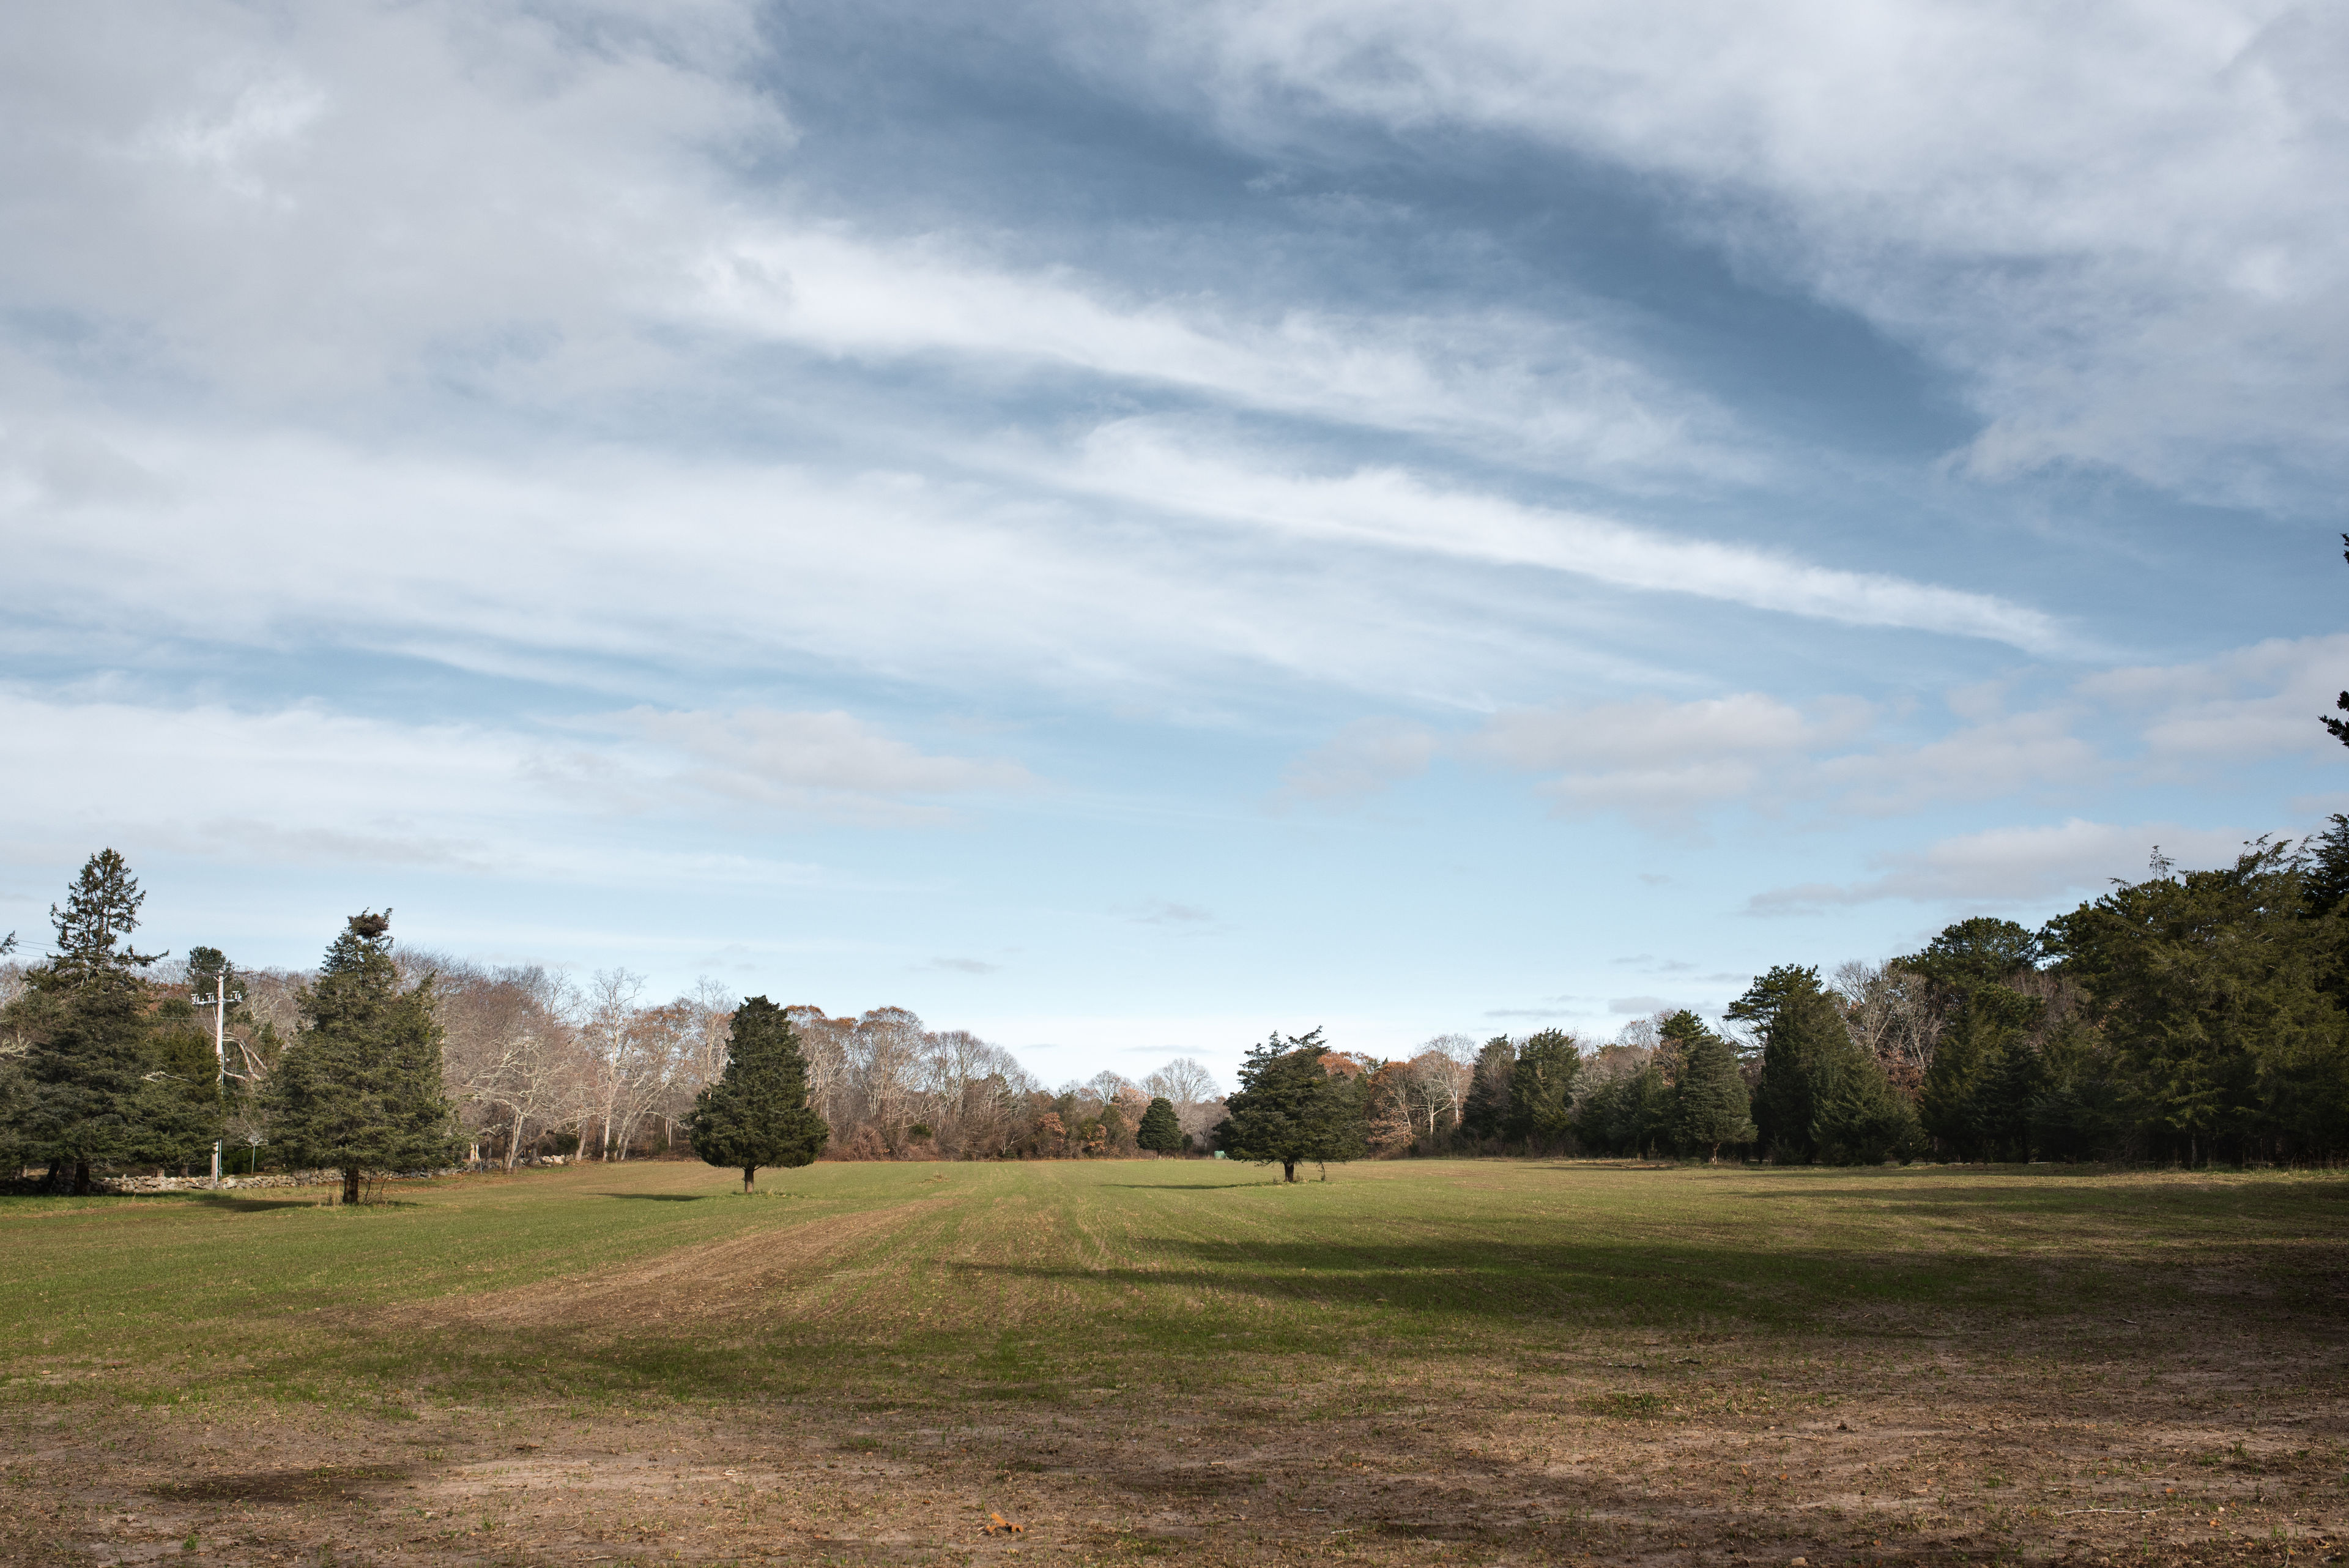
[{"x": 1414, "y": 1361}]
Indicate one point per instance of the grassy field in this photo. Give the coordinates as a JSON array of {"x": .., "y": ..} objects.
[{"x": 1487, "y": 1361}]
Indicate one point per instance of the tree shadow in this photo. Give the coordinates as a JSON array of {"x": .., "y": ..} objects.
[
  {"x": 656, "y": 1197},
  {"x": 239, "y": 1205},
  {"x": 1708, "y": 1282}
]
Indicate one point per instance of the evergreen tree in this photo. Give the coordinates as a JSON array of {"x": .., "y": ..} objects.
[
  {"x": 1289, "y": 1108},
  {"x": 1605, "y": 1115},
  {"x": 1758, "y": 1008},
  {"x": 360, "y": 1087},
  {"x": 1159, "y": 1132},
  {"x": 2324, "y": 881},
  {"x": 1976, "y": 1096},
  {"x": 1541, "y": 1088},
  {"x": 1822, "y": 1097},
  {"x": 1711, "y": 1105},
  {"x": 1648, "y": 1109},
  {"x": 1484, "y": 1111},
  {"x": 757, "y": 1112},
  {"x": 1979, "y": 952},
  {"x": 94, "y": 1092},
  {"x": 2214, "y": 990}
]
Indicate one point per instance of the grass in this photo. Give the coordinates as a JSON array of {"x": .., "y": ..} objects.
[
  {"x": 1427, "y": 1361},
  {"x": 1050, "y": 1277}
]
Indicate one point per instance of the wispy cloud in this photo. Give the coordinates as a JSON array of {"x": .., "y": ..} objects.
[
  {"x": 1366, "y": 756},
  {"x": 1391, "y": 508},
  {"x": 2008, "y": 866}
]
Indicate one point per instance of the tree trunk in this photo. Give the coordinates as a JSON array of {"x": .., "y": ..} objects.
[
  {"x": 749, "y": 1174},
  {"x": 513, "y": 1145},
  {"x": 56, "y": 1181},
  {"x": 82, "y": 1178},
  {"x": 350, "y": 1184},
  {"x": 1287, "y": 1170}
]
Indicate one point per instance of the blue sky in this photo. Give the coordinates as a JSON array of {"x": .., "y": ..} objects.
[{"x": 1126, "y": 527}]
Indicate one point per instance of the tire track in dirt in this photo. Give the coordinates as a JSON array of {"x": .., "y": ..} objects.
[{"x": 720, "y": 1280}]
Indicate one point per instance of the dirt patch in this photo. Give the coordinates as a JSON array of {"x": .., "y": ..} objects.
[
  {"x": 2190, "y": 1445},
  {"x": 326, "y": 1483}
]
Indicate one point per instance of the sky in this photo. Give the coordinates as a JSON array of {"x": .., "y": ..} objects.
[{"x": 1127, "y": 527}]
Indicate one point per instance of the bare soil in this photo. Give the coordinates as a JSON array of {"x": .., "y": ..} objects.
[{"x": 2215, "y": 1448}]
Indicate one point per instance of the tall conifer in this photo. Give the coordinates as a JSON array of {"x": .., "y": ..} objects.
[
  {"x": 360, "y": 1087},
  {"x": 1159, "y": 1132},
  {"x": 757, "y": 1112},
  {"x": 94, "y": 1091},
  {"x": 1710, "y": 1105}
]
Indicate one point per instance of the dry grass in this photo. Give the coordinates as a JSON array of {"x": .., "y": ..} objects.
[{"x": 1414, "y": 1364}]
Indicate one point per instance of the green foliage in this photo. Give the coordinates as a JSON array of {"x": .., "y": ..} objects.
[
  {"x": 2214, "y": 991},
  {"x": 100, "y": 1084},
  {"x": 757, "y": 1112},
  {"x": 1159, "y": 1131},
  {"x": 1289, "y": 1109},
  {"x": 2324, "y": 880},
  {"x": 1821, "y": 1097},
  {"x": 1978, "y": 1099},
  {"x": 1711, "y": 1105},
  {"x": 1484, "y": 1111},
  {"x": 1627, "y": 1110},
  {"x": 1758, "y": 1008},
  {"x": 1976, "y": 952},
  {"x": 360, "y": 1089},
  {"x": 101, "y": 910},
  {"x": 1541, "y": 1088}
]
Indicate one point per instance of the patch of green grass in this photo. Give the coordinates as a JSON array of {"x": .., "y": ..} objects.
[{"x": 1073, "y": 1283}]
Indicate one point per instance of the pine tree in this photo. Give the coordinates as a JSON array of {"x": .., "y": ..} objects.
[
  {"x": 94, "y": 1092},
  {"x": 1484, "y": 1112},
  {"x": 1710, "y": 1105},
  {"x": 360, "y": 1087},
  {"x": 2212, "y": 989},
  {"x": 1822, "y": 1097},
  {"x": 1541, "y": 1088},
  {"x": 757, "y": 1112},
  {"x": 1289, "y": 1108},
  {"x": 1159, "y": 1132}
]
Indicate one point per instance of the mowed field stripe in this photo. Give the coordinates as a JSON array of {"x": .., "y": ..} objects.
[{"x": 726, "y": 1280}]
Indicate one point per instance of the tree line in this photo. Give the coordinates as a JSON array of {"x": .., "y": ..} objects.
[
  {"x": 114, "y": 1060},
  {"x": 2187, "y": 1017}
]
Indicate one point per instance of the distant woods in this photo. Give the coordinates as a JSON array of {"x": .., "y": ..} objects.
[
  {"x": 107, "y": 1066},
  {"x": 2190, "y": 1017}
]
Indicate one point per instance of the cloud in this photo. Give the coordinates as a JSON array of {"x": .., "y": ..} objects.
[
  {"x": 2012, "y": 866},
  {"x": 1388, "y": 507},
  {"x": 2093, "y": 219},
  {"x": 1364, "y": 757},
  {"x": 2261, "y": 700},
  {"x": 1640, "y": 1006},
  {"x": 1657, "y": 760},
  {"x": 964, "y": 966},
  {"x": 2004, "y": 755},
  {"x": 302, "y": 785},
  {"x": 1493, "y": 382},
  {"x": 822, "y": 762}
]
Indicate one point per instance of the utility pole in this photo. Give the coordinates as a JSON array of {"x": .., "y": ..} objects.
[{"x": 218, "y": 1002}]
